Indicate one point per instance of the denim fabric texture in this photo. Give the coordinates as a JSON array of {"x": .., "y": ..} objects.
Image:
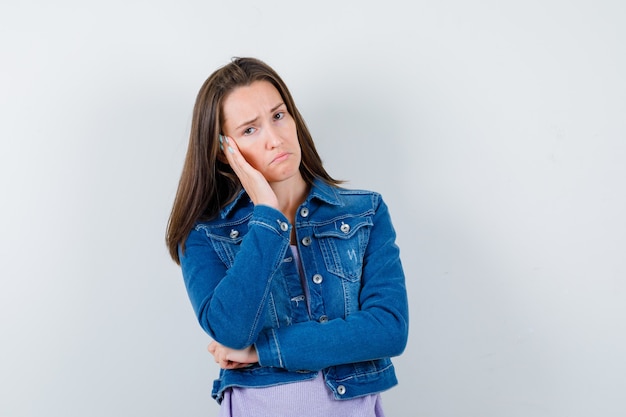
[{"x": 245, "y": 289}]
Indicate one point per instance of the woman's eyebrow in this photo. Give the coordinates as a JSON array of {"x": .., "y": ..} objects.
[
  {"x": 272, "y": 110},
  {"x": 276, "y": 107}
]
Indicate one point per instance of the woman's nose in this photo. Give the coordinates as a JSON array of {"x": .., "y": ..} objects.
[{"x": 273, "y": 138}]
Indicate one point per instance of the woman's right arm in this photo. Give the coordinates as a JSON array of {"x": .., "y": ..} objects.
[{"x": 230, "y": 303}]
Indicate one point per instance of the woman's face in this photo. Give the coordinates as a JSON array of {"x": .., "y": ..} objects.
[{"x": 256, "y": 117}]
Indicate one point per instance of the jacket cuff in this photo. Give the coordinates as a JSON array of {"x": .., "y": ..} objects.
[
  {"x": 268, "y": 349},
  {"x": 270, "y": 217}
]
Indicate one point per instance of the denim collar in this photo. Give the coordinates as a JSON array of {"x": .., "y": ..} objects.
[{"x": 319, "y": 190}]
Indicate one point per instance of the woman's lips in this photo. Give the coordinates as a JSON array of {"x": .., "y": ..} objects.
[{"x": 280, "y": 157}]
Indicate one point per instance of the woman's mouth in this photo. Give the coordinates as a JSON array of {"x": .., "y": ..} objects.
[{"x": 280, "y": 157}]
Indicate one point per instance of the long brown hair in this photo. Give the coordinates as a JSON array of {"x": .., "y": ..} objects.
[{"x": 207, "y": 184}]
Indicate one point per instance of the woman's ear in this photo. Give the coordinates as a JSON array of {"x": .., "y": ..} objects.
[{"x": 221, "y": 157}]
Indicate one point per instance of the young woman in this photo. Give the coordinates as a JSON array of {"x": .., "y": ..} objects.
[{"x": 297, "y": 280}]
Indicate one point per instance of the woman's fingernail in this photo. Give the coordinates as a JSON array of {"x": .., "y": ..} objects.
[
  {"x": 220, "y": 138},
  {"x": 221, "y": 147},
  {"x": 231, "y": 150}
]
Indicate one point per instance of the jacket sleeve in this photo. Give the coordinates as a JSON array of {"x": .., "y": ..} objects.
[
  {"x": 230, "y": 304},
  {"x": 379, "y": 329}
]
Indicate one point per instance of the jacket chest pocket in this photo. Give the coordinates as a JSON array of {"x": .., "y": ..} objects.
[
  {"x": 226, "y": 243},
  {"x": 343, "y": 244}
]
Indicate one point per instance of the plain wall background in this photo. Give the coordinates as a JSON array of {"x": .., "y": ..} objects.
[{"x": 494, "y": 130}]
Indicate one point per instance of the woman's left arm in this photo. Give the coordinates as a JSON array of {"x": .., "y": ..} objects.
[{"x": 379, "y": 329}]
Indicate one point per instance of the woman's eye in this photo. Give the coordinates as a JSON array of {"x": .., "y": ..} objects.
[
  {"x": 248, "y": 131},
  {"x": 279, "y": 115}
]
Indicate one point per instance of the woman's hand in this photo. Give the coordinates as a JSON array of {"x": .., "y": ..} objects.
[
  {"x": 228, "y": 358},
  {"x": 251, "y": 179}
]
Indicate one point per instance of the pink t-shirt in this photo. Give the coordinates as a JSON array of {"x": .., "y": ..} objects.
[{"x": 310, "y": 398}]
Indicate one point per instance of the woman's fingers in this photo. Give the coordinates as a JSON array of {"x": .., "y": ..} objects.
[
  {"x": 235, "y": 159},
  {"x": 220, "y": 355},
  {"x": 224, "y": 356},
  {"x": 234, "y": 156}
]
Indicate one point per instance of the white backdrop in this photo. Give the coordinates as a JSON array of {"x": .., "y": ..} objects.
[{"x": 494, "y": 130}]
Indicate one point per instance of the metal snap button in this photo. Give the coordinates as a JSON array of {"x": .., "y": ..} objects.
[
  {"x": 284, "y": 226},
  {"x": 317, "y": 278},
  {"x": 345, "y": 227},
  {"x": 323, "y": 319},
  {"x": 306, "y": 241},
  {"x": 304, "y": 211},
  {"x": 233, "y": 234},
  {"x": 341, "y": 390}
]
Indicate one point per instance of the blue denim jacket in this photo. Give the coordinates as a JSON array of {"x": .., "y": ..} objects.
[{"x": 245, "y": 289}]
